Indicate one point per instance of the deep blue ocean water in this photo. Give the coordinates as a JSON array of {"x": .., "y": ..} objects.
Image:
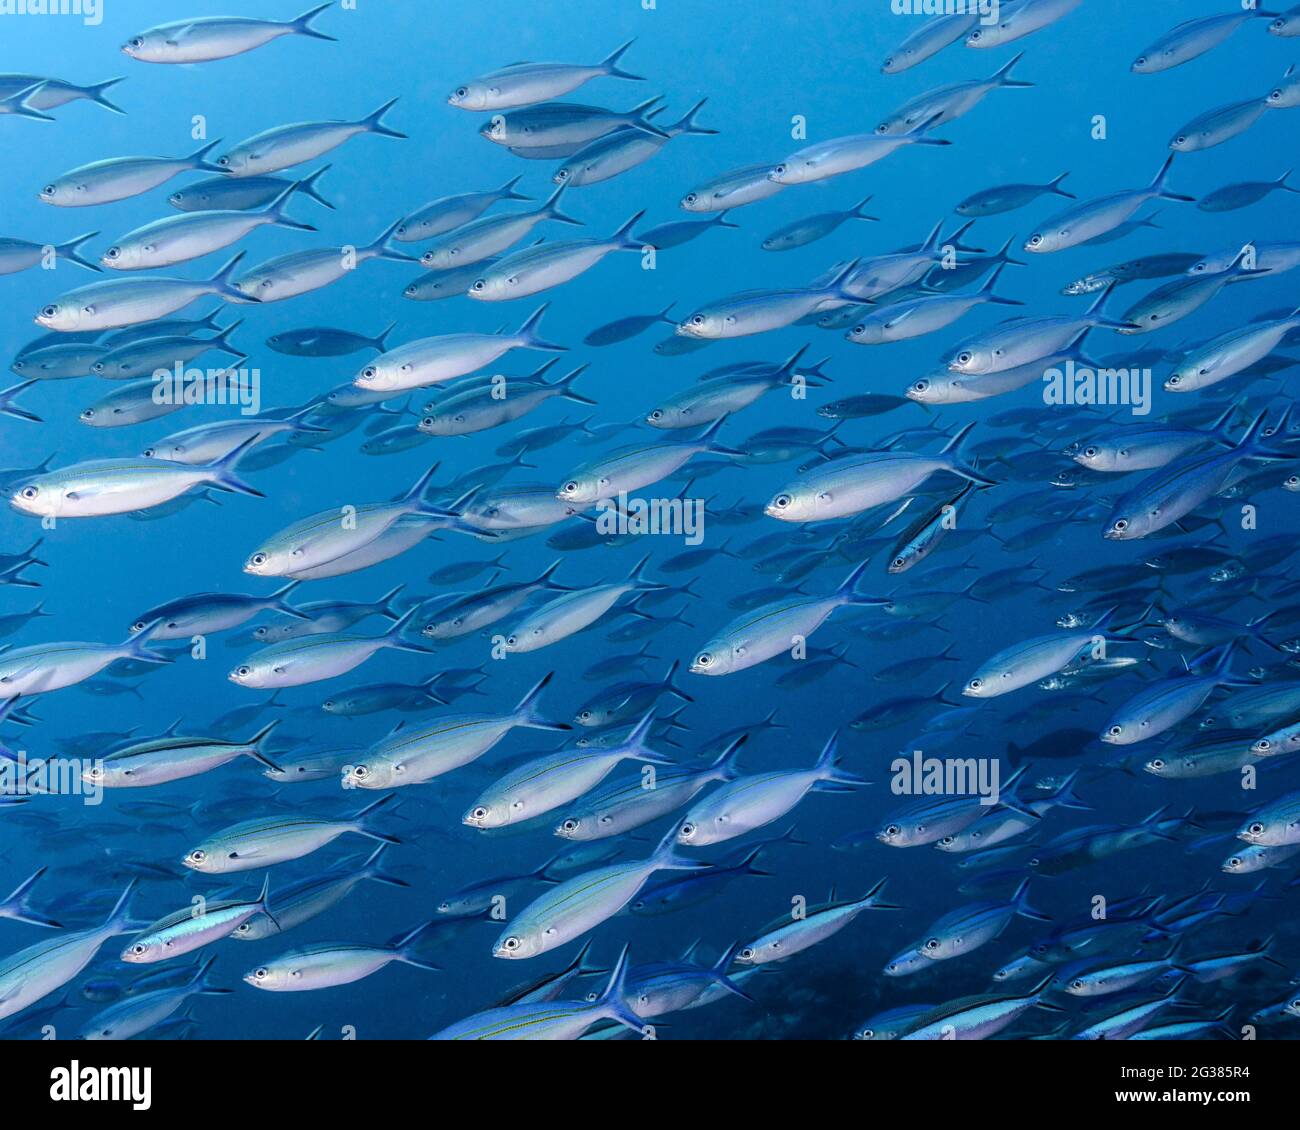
[{"x": 760, "y": 63}]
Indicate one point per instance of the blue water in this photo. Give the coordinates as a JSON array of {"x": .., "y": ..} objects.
[{"x": 760, "y": 64}]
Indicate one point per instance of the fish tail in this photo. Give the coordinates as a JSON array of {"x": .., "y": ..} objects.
[
  {"x": 613, "y": 1001},
  {"x": 1003, "y": 76},
  {"x": 277, "y": 210},
  {"x": 361, "y": 819},
  {"x": 1021, "y": 902},
  {"x": 380, "y": 249},
  {"x": 95, "y": 92},
  {"x": 221, "y": 472},
  {"x": 380, "y": 343},
  {"x": 370, "y": 869},
  {"x": 135, "y": 648},
  {"x": 385, "y": 602},
  {"x": 507, "y": 190},
  {"x": 302, "y": 25},
  {"x": 373, "y": 123},
  {"x": 1160, "y": 188},
  {"x": 726, "y": 766},
  {"x": 307, "y": 186},
  {"x": 196, "y": 159},
  {"x": 624, "y": 237},
  {"x": 641, "y": 115},
  {"x": 687, "y": 124},
  {"x": 610, "y": 64},
  {"x": 529, "y": 338},
  {"x": 221, "y": 284},
  {"x": 406, "y": 947},
  {"x": 15, "y": 907},
  {"x": 119, "y": 918},
  {"x": 551, "y": 209},
  {"x": 1057, "y": 190},
  {"x": 564, "y": 385},
  {"x": 526, "y": 711},
  {"x": 68, "y": 251}
]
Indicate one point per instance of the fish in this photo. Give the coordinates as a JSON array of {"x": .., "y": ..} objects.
[
  {"x": 525, "y": 84},
  {"x": 192, "y": 928},
  {"x": 33, "y": 973},
  {"x": 222, "y": 37},
  {"x": 264, "y": 842},
  {"x": 429, "y": 361},
  {"x": 282, "y": 147},
  {"x": 1086, "y": 222},
  {"x": 451, "y": 212},
  {"x": 413, "y": 756},
  {"x": 551, "y": 1020},
  {"x": 120, "y": 178},
  {"x": 753, "y": 801},
  {"x": 330, "y": 965}
]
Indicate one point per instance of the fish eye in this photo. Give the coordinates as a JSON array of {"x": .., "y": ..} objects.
[
  {"x": 479, "y": 813},
  {"x": 920, "y": 386},
  {"x": 50, "y": 311},
  {"x": 975, "y": 684},
  {"x": 479, "y": 284},
  {"x": 570, "y": 486},
  {"x": 137, "y": 42},
  {"x": 704, "y": 659},
  {"x": 462, "y": 92},
  {"x": 687, "y": 830},
  {"x": 747, "y": 954},
  {"x": 1142, "y": 62},
  {"x": 260, "y": 974},
  {"x": 511, "y": 943},
  {"x": 893, "y": 830},
  {"x": 948, "y": 841},
  {"x": 932, "y": 944},
  {"x": 1181, "y": 139},
  {"x": 900, "y": 561},
  {"x": 976, "y": 36},
  {"x": 1090, "y": 452},
  {"x": 1256, "y": 829},
  {"x": 569, "y": 826},
  {"x": 139, "y": 948},
  {"x": 258, "y": 559},
  {"x": 198, "y": 855},
  {"x": 49, "y": 190},
  {"x": 368, "y": 372},
  {"x": 691, "y": 198},
  {"x": 243, "y": 672},
  {"x": 30, "y": 491},
  {"x": 511, "y": 641},
  {"x": 1235, "y": 861},
  {"x": 1121, "y": 525},
  {"x": 149, "y": 453},
  {"x": 780, "y": 169},
  {"x": 113, "y": 253},
  {"x": 360, "y": 772},
  {"x": 224, "y": 162},
  {"x": 697, "y": 320},
  {"x": 1263, "y": 745},
  {"x": 781, "y": 501},
  {"x": 1115, "y": 731},
  {"x": 964, "y": 358},
  {"x": 1035, "y": 240}
]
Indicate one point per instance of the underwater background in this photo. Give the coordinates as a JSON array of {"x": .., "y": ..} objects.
[{"x": 761, "y": 64}]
